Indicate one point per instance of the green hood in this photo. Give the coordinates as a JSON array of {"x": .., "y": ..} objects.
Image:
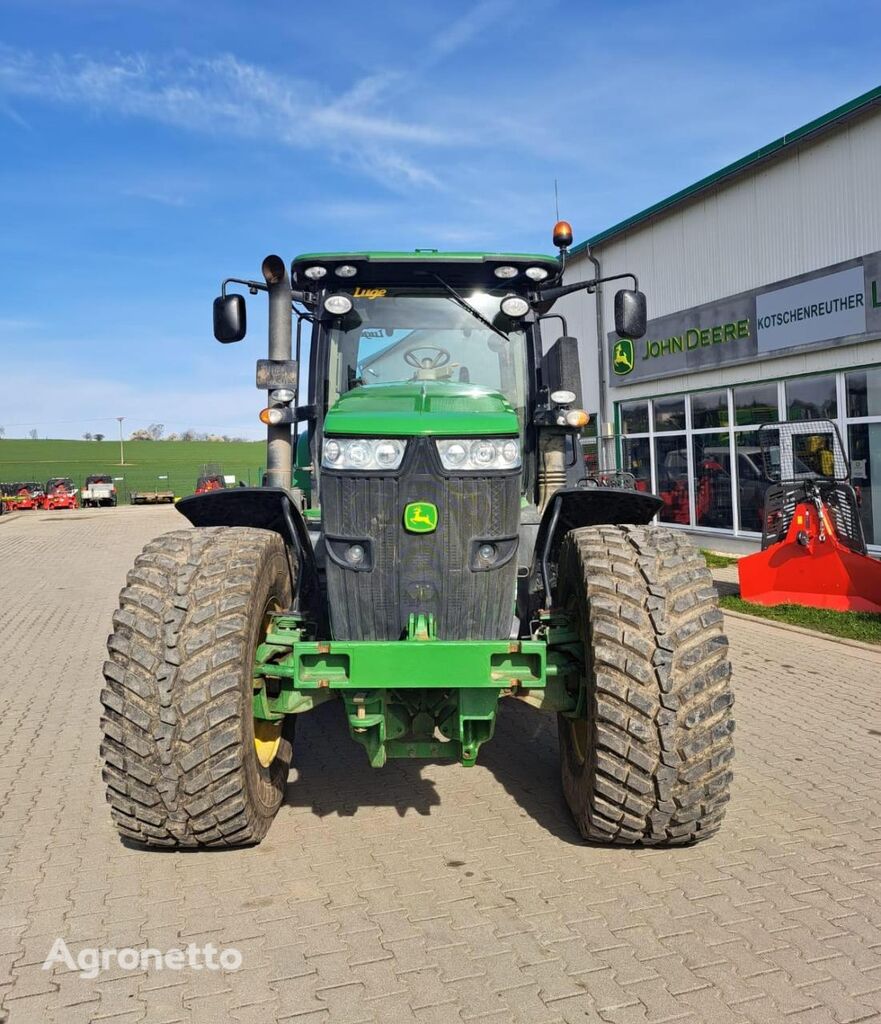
[{"x": 422, "y": 408}]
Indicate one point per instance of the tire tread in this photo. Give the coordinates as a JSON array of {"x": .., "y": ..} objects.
[
  {"x": 172, "y": 724},
  {"x": 657, "y": 768}
]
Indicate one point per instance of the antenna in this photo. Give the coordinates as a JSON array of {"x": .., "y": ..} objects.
[{"x": 556, "y": 199}]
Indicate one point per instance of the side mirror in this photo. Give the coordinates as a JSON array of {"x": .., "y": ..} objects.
[
  {"x": 630, "y": 313},
  {"x": 561, "y": 369},
  {"x": 230, "y": 321}
]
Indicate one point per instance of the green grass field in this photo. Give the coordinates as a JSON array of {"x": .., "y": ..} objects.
[{"x": 146, "y": 462}]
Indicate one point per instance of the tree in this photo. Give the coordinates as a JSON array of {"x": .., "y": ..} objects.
[
  {"x": 32, "y": 434},
  {"x": 155, "y": 430},
  {"x": 99, "y": 437},
  {"x": 87, "y": 436},
  {"x": 2, "y": 431}
]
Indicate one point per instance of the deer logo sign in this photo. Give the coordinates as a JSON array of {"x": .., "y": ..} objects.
[
  {"x": 420, "y": 517},
  {"x": 622, "y": 356}
]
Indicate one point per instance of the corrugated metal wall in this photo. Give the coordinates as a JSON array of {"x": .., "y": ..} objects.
[{"x": 816, "y": 204}]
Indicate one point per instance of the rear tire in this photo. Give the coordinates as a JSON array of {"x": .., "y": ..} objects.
[
  {"x": 649, "y": 761},
  {"x": 179, "y": 753}
]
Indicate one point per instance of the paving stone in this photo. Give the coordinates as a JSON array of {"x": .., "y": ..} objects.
[{"x": 429, "y": 894}]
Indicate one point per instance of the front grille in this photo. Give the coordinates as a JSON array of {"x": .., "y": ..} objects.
[{"x": 420, "y": 573}]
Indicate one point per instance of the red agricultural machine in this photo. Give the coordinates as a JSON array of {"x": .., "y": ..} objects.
[
  {"x": 60, "y": 493},
  {"x": 210, "y": 478},
  {"x": 22, "y": 496},
  {"x": 813, "y": 547},
  {"x": 210, "y": 482}
]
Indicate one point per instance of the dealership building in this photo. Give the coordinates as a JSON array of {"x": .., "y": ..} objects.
[{"x": 764, "y": 304}]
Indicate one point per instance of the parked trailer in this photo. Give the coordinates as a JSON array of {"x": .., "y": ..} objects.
[
  {"x": 152, "y": 497},
  {"x": 98, "y": 490}
]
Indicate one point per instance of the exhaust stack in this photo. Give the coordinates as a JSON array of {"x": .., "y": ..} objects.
[{"x": 279, "y": 447}]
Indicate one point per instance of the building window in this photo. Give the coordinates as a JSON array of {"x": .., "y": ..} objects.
[
  {"x": 812, "y": 398},
  {"x": 751, "y": 478},
  {"x": 634, "y": 417},
  {"x": 756, "y": 403},
  {"x": 712, "y": 480},
  {"x": 637, "y": 459},
  {"x": 709, "y": 409},
  {"x": 671, "y": 460},
  {"x": 864, "y": 392},
  {"x": 702, "y": 456},
  {"x": 669, "y": 413},
  {"x": 864, "y": 444}
]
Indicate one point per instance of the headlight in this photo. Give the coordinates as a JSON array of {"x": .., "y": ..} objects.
[
  {"x": 505, "y": 272},
  {"x": 338, "y": 304},
  {"x": 314, "y": 273},
  {"x": 485, "y": 453},
  {"x": 536, "y": 273},
  {"x": 345, "y": 270},
  {"x": 367, "y": 453},
  {"x": 514, "y": 306}
]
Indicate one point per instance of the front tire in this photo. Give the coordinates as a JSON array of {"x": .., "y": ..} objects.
[
  {"x": 648, "y": 760},
  {"x": 180, "y": 760}
]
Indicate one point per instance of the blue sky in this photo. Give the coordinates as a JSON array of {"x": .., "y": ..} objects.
[{"x": 149, "y": 148}]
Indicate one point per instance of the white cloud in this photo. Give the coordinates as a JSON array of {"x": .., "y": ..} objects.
[
  {"x": 227, "y": 96},
  {"x": 481, "y": 17}
]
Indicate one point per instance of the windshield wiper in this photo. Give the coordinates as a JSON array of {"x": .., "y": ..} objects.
[{"x": 466, "y": 305}]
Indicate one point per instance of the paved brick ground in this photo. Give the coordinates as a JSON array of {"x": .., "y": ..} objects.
[{"x": 430, "y": 893}]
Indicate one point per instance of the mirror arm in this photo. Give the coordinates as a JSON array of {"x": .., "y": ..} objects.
[
  {"x": 552, "y": 294},
  {"x": 252, "y": 286},
  {"x": 555, "y": 316}
]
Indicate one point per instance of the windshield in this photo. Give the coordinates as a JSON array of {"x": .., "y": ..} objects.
[{"x": 404, "y": 334}]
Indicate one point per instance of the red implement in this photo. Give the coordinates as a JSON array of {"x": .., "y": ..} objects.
[
  {"x": 60, "y": 493},
  {"x": 811, "y": 566}
]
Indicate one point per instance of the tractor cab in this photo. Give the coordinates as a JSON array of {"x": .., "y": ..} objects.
[{"x": 409, "y": 345}]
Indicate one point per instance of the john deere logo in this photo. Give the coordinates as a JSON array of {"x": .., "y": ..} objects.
[
  {"x": 420, "y": 517},
  {"x": 622, "y": 356}
]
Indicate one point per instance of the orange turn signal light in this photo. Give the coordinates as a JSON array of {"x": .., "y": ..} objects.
[
  {"x": 276, "y": 415},
  {"x": 577, "y": 418}
]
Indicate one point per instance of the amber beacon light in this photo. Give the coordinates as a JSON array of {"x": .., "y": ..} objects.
[{"x": 562, "y": 234}]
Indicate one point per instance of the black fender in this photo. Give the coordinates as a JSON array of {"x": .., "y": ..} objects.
[
  {"x": 574, "y": 507},
  {"x": 264, "y": 508}
]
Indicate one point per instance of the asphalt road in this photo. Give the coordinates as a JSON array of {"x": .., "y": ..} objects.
[{"x": 427, "y": 892}]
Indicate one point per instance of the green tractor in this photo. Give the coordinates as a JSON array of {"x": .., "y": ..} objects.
[{"x": 424, "y": 545}]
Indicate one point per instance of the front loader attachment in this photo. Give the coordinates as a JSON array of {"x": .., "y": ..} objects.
[{"x": 813, "y": 548}]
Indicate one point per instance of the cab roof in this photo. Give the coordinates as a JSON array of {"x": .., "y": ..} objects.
[{"x": 416, "y": 267}]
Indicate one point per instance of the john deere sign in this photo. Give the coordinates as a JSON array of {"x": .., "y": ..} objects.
[
  {"x": 622, "y": 356},
  {"x": 838, "y": 305}
]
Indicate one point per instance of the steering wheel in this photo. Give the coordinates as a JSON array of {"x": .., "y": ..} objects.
[{"x": 440, "y": 358}]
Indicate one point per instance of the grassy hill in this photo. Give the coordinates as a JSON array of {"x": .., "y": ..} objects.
[{"x": 146, "y": 462}]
